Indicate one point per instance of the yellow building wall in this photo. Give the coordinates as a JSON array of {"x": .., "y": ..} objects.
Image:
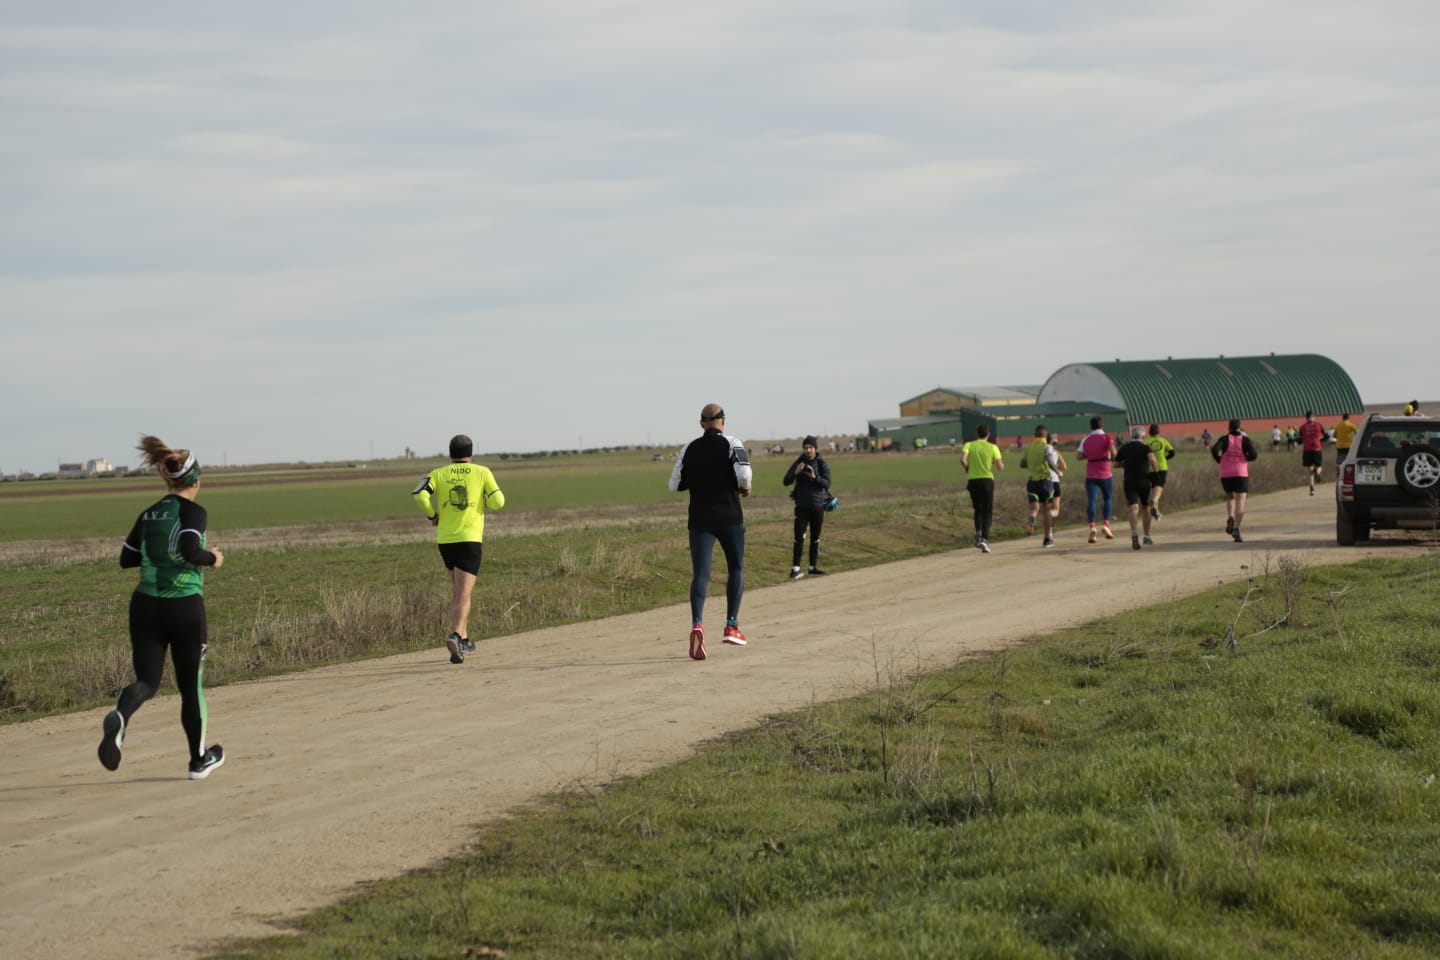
[{"x": 936, "y": 401}]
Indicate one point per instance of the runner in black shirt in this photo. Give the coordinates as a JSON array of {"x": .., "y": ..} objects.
[
  {"x": 1138, "y": 462},
  {"x": 715, "y": 469}
]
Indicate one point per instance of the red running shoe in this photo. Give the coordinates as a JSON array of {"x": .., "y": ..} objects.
[
  {"x": 733, "y": 635},
  {"x": 697, "y": 642}
]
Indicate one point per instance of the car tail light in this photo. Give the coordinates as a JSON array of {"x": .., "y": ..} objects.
[{"x": 1347, "y": 482}]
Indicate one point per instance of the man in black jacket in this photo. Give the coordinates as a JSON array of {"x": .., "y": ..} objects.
[
  {"x": 715, "y": 469},
  {"x": 811, "y": 476}
]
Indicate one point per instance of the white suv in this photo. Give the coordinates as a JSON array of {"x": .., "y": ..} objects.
[{"x": 1391, "y": 480}]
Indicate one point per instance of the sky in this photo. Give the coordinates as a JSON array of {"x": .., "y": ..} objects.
[{"x": 334, "y": 230}]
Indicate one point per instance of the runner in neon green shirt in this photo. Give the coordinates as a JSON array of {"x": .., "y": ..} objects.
[
  {"x": 455, "y": 497},
  {"x": 981, "y": 459},
  {"x": 1163, "y": 450}
]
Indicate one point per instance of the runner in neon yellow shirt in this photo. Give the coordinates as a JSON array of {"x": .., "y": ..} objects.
[
  {"x": 455, "y": 497},
  {"x": 1163, "y": 450},
  {"x": 981, "y": 459}
]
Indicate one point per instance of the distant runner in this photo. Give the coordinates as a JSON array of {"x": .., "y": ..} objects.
[
  {"x": 1098, "y": 450},
  {"x": 1344, "y": 437},
  {"x": 981, "y": 459},
  {"x": 1234, "y": 452},
  {"x": 1137, "y": 460},
  {"x": 1040, "y": 462},
  {"x": 1312, "y": 448},
  {"x": 1163, "y": 450}
]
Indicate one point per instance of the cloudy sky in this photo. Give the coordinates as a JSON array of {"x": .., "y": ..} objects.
[{"x": 276, "y": 231}]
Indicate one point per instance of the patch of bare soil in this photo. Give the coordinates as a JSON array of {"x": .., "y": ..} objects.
[{"x": 362, "y": 771}]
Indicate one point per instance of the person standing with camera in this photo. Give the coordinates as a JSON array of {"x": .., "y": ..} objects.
[{"x": 811, "y": 476}]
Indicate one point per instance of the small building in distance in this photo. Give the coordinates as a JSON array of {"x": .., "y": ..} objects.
[
  {"x": 90, "y": 468},
  {"x": 945, "y": 400}
]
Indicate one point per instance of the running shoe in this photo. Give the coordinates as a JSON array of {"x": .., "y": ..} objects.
[
  {"x": 1092, "y": 534},
  {"x": 733, "y": 636},
  {"x": 697, "y": 642},
  {"x": 1312, "y": 491},
  {"x": 1109, "y": 534},
  {"x": 1236, "y": 534},
  {"x": 984, "y": 546},
  {"x": 1229, "y": 524},
  {"x": 467, "y": 645},
  {"x": 816, "y": 572},
  {"x": 1134, "y": 542},
  {"x": 1049, "y": 542},
  {"x": 213, "y": 759},
  {"x": 1030, "y": 527},
  {"x": 796, "y": 573},
  {"x": 112, "y": 740},
  {"x": 457, "y": 652},
  {"x": 1155, "y": 513},
  {"x": 1147, "y": 541}
]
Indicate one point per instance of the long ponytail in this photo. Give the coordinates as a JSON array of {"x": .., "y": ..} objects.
[{"x": 179, "y": 467}]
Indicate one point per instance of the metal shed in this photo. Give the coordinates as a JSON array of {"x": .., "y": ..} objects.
[{"x": 1197, "y": 390}]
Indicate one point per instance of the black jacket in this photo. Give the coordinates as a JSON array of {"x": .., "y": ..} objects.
[
  {"x": 714, "y": 468},
  {"x": 809, "y": 491}
]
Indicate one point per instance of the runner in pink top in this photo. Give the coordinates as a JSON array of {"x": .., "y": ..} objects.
[
  {"x": 1098, "y": 450},
  {"x": 1234, "y": 452},
  {"x": 1312, "y": 448}
]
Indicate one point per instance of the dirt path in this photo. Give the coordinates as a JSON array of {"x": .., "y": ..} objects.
[{"x": 347, "y": 774}]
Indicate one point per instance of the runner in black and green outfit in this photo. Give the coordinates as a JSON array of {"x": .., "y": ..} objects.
[{"x": 167, "y": 609}]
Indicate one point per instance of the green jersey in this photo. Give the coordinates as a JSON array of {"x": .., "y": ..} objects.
[
  {"x": 459, "y": 493},
  {"x": 1164, "y": 450},
  {"x": 1036, "y": 459},
  {"x": 169, "y": 541}
]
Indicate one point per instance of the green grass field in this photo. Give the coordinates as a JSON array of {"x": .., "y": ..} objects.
[
  {"x": 383, "y": 593},
  {"x": 236, "y": 500}
]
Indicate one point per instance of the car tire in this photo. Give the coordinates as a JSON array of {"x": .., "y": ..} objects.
[
  {"x": 1344, "y": 528},
  {"x": 1418, "y": 471}
]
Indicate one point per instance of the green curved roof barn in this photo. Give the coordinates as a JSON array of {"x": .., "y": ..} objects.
[{"x": 1218, "y": 388}]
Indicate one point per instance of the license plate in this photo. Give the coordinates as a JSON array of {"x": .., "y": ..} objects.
[{"x": 1370, "y": 473}]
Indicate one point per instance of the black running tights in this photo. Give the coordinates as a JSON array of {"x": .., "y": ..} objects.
[
  {"x": 982, "y": 498},
  {"x": 179, "y": 624}
]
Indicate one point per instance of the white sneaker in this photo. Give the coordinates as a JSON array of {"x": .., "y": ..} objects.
[{"x": 984, "y": 547}]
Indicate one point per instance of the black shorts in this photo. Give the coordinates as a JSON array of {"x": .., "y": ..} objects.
[
  {"x": 461, "y": 556},
  {"x": 1235, "y": 484},
  {"x": 1137, "y": 490},
  {"x": 1041, "y": 491},
  {"x": 1312, "y": 458},
  {"x": 1157, "y": 479},
  {"x": 1054, "y": 489}
]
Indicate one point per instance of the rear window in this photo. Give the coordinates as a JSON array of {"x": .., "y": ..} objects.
[{"x": 1392, "y": 438}]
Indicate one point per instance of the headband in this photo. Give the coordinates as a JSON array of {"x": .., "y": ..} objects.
[{"x": 186, "y": 476}]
